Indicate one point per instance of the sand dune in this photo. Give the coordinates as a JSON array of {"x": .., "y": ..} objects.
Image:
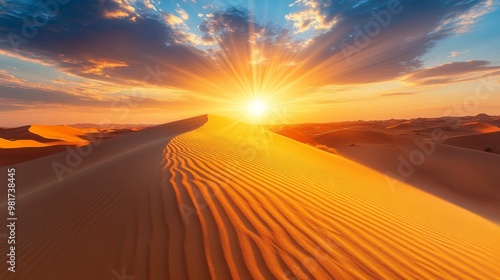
[
  {"x": 480, "y": 142},
  {"x": 464, "y": 177},
  {"x": 22, "y": 133},
  {"x": 481, "y": 127},
  {"x": 454, "y": 126},
  {"x": 41, "y": 136},
  {"x": 8, "y": 144},
  {"x": 60, "y": 132},
  {"x": 225, "y": 200},
  {"x": 30, "y": 142}
]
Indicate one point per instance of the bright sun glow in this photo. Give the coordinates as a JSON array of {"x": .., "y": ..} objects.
[{"x": 257, "y": 107}]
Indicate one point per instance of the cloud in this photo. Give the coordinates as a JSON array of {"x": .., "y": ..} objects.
[
  {"x": 309, "y": 16},
  {"x": 119, "y": 9},
  {"x": 466, "y": 20},
  {"x": 452, "y": 72},
  {"x": 396, "y": 94},
  {"x": 99, "y": 66},
  {"x": 82, "y": 36},
  {"x": 380, "y": 40},
  {"x": 182, "y": 13},
  {"x": 15, "y": 98},
  {"x": 148, "y": 4},
  {"x": 455, "y": 53},
  {"x": 173, "y": 20},
  {"x": 36, "y": 97},
  {"x": 5, "y": 77}
]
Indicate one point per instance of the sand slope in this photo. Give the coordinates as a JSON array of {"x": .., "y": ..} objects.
[
  {"x": 30, "y": 142},
  {"x": 464, "y": 177},
  {"x": 60, "y": 132},
  {"x": 231, "y": 201},
  {"x": 41, "y": 136},
  {"x": 8, "y": 144},
  {"x": 478, "y": 142}
]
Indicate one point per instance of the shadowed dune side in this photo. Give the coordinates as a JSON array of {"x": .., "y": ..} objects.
[
  {"x": 232, "y": 201},
  {"x": 486, "y": 142},
  {"x": 106, "y": 214},
  {"x": 22, "y": 154}
]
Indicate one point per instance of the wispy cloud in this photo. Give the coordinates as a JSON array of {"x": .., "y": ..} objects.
[
  {"x": 396, "y": 94},
  {"x": 6, "y": 78},
  {"x": 452, "y": 72},
  {"x": 455, "y": 53}
]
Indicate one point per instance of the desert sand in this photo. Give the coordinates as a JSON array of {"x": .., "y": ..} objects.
[
  {"x": 25, "y": 143},
  {"x": 455, "y": 168},
  {"x": 486, "y": 142},
  {"x": 212, "y": 198}
]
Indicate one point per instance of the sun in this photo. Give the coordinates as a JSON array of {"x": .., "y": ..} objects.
[{"x": 257, "y": 107}]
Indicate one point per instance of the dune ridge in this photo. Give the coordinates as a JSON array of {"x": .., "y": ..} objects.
[{"x": 219, "y": 199}]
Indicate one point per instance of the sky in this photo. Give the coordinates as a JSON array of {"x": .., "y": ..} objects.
[{"x": 149, "y": 61}]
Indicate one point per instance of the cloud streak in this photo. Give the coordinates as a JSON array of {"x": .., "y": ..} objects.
[{"x": 452, "y": 72}]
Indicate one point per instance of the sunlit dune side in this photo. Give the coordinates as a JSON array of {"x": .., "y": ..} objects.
[
  {"x": 29, "y": 142},
  {"x": 19, "y": 137},
  {"x": 8, "y": 144},
  {"x": 219, "y": 199},
  {"x": 481, "y": 127},
  {"x": 60, "y": 132},
  {"x": 402, "y": 125},
  {"x": 41, "y": 136}
]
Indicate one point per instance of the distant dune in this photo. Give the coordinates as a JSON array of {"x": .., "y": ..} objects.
[
  {"x": 487, "y": 142},
  {"x": 211, "y": 198},
  {"x": 25, "y": 143},
  {"x": 60, "y": 132},
  {"x": 465, "y": 177},
  {"x": 41, "y": 136}
]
